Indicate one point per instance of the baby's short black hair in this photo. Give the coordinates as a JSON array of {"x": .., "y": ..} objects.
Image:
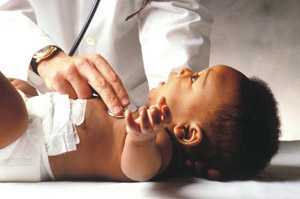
[{"x": 245, "y": 136}]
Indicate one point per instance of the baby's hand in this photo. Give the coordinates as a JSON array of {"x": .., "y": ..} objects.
[{"x": 149, "y": 122}]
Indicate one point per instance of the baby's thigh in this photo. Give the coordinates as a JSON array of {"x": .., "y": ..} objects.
[{"x": 23, "y": 86}]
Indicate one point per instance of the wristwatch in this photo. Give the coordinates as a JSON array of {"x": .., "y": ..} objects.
[{"x": 43, "y": 54}]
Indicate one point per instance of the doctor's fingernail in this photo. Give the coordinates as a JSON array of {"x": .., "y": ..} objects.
[
  {"x": 117, "y": 109},
  {"x": 125, "y": 101}
]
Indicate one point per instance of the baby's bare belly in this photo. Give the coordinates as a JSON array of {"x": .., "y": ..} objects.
[{"x": 98, "y": 154}]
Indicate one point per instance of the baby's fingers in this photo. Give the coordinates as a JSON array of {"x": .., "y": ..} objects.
[
  {"x": 145, "y": 122},
  {"x": 166, "y": 113},
  {"x": 131, "y": 125},
  {"x": 155, "y": 117},
  {"x": 166, "y": 116}
]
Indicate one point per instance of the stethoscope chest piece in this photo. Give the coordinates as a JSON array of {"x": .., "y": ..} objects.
[{"x": 131, "y": 107}]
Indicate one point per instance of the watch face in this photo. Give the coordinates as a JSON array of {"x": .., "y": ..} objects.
[
  {"x": 44, "y": 50},
  {"x": 44, "y": 53}
]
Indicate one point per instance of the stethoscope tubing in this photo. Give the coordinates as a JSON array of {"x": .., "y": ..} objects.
[
  {"x": 79, "y": 39},
  {"x": 83, "y": 31},
  {"x": 84, "y": 28}
]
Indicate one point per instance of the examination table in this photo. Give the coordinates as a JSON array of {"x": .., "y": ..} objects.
[{"x": 281, "y": 180}]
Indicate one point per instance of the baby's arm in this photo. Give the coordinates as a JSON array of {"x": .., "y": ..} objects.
[
  {"x": 142, "y": 158},
  {"x": 13, "y": 114}
]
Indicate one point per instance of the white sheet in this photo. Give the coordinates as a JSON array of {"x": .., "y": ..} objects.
[{"x": 280, "y": 181}]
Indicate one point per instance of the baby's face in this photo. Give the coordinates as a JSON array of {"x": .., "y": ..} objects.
[{"x": 193, "y": 96}]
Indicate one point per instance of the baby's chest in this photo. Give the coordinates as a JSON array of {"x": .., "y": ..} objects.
[{"x": 101, "y": 151}]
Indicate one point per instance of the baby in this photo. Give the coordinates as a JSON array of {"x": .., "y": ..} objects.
[{"x": 216, "y": 123}]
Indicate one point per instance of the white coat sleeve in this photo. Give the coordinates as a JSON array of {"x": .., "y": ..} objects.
[
  {"x": 20, "y": 38},
  {"x": 174, "y": 33}
]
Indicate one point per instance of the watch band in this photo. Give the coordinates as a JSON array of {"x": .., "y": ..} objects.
[{"x": 43, "y": 54}]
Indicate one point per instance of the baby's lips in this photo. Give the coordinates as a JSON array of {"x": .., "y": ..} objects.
[
  {"x": 180, "y": 69},
  {"x": 185, "y": 71}
]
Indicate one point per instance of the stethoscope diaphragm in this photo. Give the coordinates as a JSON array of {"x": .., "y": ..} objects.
[{"x": 131, "y": 107}]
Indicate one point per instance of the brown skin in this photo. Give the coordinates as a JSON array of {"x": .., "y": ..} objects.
[
  {"x": 138, "y": 149},
  {"x": 86, "y": 163},
  {"x": 13, "y": 115},
  {"x": 100, "y": 154},
  {"x": 23, "y": 86},
  {"x": 201, "y": 94}
]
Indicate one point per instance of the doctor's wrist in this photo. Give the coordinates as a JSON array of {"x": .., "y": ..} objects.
[
  {"x": 45, "y": 54},
  {"x": 51, "y": 62}
]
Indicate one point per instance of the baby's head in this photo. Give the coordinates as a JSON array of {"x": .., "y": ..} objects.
[{"x": 226, "y": 124}]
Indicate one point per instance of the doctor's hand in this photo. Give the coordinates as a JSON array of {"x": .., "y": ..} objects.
[{"x": 76, "y": 76}]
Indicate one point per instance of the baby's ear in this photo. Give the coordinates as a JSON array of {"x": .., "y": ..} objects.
[{"x": 188, "y": 135}]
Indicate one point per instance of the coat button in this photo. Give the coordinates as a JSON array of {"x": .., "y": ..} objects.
[{"x": 90, "y": 41}]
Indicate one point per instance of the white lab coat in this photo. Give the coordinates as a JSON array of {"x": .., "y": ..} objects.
[{"x": 166, "y": 34}]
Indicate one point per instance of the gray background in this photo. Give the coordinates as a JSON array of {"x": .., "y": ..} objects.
[{"x": 262, "y": 38}]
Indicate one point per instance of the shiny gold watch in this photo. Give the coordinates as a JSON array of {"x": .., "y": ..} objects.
[{"x": 43, "y": 54}]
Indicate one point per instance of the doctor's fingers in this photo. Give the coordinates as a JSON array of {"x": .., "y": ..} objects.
[
  {"x": 101, "y": 86},
  {"x": 79, "y": 83},
  {"x": 62, "y": 86},
  {"x": 110, "y": 76}
]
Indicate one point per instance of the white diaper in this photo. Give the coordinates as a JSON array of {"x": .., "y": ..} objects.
[{"x": 51, "y": 131}]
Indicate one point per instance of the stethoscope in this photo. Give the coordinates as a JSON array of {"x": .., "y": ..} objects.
[
  {"x": 78, "y": 41},
  {"x": 84, "y": 28}
]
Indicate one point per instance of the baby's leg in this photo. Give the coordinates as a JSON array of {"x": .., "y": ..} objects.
[
  {"x": 13, "y": 114},
  {"x": 23, "y": 86}
]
